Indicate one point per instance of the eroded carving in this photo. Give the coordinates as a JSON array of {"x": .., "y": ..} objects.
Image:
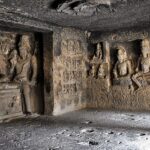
[
  {"x": 18, "y": 65},
  {"x": 94, "y": 65},
  {"x": 68, "y": 74},
  {"x": 141, "y": 77},
  {"x": 71, "y": 47},
  {"x": 72, "y": 64},
  {"x": 26, "y": 68},
  {"x": 122, "y": 70},
  {"x": 7, "y": 46}
]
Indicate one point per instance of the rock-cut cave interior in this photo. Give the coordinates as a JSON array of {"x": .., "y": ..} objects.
[{"x": 74, "y": 74}]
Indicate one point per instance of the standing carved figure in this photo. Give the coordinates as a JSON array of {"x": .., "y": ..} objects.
[
  {"x": 97, "y": 60},
  {"x": 123, "y": 65},
  {"x": 143, "y": 67},
  {"x": 26, "y": 69}
]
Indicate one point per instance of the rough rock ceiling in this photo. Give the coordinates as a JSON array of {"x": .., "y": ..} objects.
[{"x": 44, "y": 14}]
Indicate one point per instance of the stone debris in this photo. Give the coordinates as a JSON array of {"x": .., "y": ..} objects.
[
  {"x": 84, "y": 143},
  {"x": 87, "y": 130},
  {"x": 111, "y": 132},
  {"x": 93, "y": 143},
  {"x": 88, "y": 143}
]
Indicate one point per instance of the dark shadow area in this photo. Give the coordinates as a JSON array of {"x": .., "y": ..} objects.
[
  {"x": 40, "y": 77},
  {"x": 56, "y": 4}
]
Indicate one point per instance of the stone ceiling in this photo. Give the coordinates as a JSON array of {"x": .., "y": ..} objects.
[{"x": 92, "y": 15}]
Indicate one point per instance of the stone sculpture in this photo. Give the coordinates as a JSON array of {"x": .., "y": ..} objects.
[
  {"x": 143, "y": 68},
  {"x": 122, "y": 70},
  {"x": 26, "y": 68},
  {"x": 123, "y": 65},
  {"x": 94, "y": 64},
  {"x": 96, "y": 61}
]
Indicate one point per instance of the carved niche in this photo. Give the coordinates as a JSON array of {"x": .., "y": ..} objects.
[
  {"x": 18, "y": 72},
  {"x": 122, "y": 70},
  {"x": 95, "y": 65},
  {"x": 133, "y": 72}
]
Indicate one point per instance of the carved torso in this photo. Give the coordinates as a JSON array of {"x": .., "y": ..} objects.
[
  {"x": 23, "y": 70},
  {"x": 123, "y": 68}
]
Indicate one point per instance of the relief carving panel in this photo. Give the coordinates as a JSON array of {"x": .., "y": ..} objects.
[
  {"x": 68, "y": 75},
  {"x": 128, "y": 70},
  {"x": 18, "y": 72}
]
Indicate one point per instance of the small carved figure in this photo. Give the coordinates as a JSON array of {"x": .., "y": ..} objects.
[
  {"x": 101, "y": 72},
  {"x": 143, "y": 67},
  {"x": 123, "y": 65},
  {"x": 97, "y": 61},
  {"x": 26, "y": 69}
]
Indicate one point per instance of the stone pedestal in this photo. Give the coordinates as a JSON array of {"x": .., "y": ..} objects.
[{"x": 10, "y": 100}]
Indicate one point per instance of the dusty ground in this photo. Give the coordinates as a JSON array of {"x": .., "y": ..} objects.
[{"x": 81, "y": 130}]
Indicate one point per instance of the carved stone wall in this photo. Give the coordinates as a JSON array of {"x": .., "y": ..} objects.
[
  {"x": 68, "y": 68},
  {"x": 109, "y": 74},
  {"x": 127, "y": 85}
]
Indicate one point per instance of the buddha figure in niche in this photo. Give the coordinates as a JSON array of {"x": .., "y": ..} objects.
[
  {"x": 143, "y": 66},
  {"x": 122, "y": 67}
]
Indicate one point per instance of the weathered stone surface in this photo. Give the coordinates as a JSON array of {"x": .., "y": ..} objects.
[
  {"x": 68, "y": 69},
  {"x": 10, "y": 99},
  {"x": 129, "y": 84},
  {"x": 110, "y": 74}
]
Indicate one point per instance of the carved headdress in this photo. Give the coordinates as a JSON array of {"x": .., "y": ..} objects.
[
  {"x": 27, "y": 41},
  {"x": 122, "y": 51}
]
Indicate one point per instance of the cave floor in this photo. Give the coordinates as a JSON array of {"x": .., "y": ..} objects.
[{"x": 79, "y": 130}]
